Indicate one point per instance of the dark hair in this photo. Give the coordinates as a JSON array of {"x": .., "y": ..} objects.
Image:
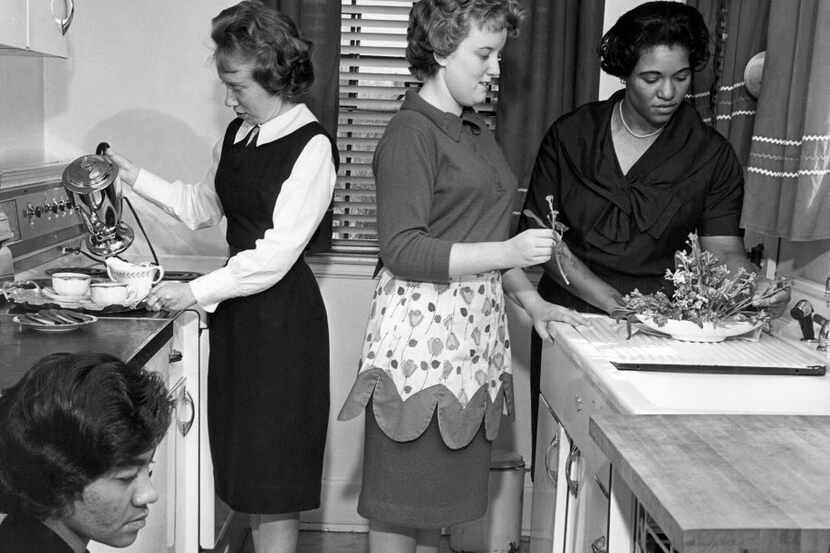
[
  {"x": 439, "y": 26},
  {"x": 282, "y": 58},
  {"x": 654, "y": 24},
  {"x": 71, "y": 419}
]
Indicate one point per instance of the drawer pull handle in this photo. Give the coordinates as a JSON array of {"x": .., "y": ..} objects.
[
  {"x": 186, "y": 400},
  {"x": 573, "y": 484},
  {"x": 64, "y": 22},
  {"x": 553, "y": 447}
]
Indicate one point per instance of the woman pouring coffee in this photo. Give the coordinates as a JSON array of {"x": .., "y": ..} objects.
[{"x": 272, "y": 178}]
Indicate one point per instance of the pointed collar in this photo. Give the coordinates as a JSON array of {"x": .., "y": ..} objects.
[{"x": 278, "y": 126}]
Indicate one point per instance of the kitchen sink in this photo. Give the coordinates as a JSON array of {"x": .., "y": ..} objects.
[{"x": 646, "y": 392}]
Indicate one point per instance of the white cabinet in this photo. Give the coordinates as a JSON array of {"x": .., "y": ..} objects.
[
  {"x": 14, "y": 24},
  {"x": 576, "y": 506},
  {"x": 173, "y": 522},
  {"x": 36, "y": 26}
]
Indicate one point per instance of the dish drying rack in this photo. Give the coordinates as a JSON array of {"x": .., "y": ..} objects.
[{"x": 647, "y": 352}]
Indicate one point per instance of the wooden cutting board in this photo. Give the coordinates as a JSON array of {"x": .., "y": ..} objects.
[{"x": 726, "y": 483}]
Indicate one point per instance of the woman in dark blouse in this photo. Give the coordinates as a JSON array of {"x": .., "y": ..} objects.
[{"x": 633, "y": 175}]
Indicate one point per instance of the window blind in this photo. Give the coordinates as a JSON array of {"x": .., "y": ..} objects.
[{"x": 374, "y": 76}]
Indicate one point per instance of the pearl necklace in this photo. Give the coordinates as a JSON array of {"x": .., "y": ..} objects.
[{"x": 632, "y": 133}]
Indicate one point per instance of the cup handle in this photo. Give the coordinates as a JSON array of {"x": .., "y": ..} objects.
[
  {"x": 109, "y": 273},
  {"x": 131, "y": 296},
  {"x": 160, "y": 275},
  {"x": 24, "y": 283}
]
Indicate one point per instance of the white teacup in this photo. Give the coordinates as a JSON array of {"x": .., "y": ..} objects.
[
  {"x": 111, "y": 293},
  {"x": 139, "y": 278},
  {"x": 71, "y": 284}
]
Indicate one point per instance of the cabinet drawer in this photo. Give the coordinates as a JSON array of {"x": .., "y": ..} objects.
[{"x": 574, "y": 398}]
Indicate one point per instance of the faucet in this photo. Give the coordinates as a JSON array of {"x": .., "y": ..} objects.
[
  {"x": 824, "y": 336},
  {"x": 803, "y": 312}
]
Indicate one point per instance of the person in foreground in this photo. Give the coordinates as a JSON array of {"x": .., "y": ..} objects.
[
  {"x": 435, "y": 372},
  {"x": 633, "y": 175},
  {"x": 77, "y": 438},
  {"x": 272, "y": 177}
]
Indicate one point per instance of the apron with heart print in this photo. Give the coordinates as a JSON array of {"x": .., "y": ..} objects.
[{"x": 441, "y": 345}]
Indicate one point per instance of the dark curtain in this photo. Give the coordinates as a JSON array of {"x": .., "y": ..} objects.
[
  {"x": 739, "y": 31},
  {"x": 319, "y": 21},
  {"x": 549, "y": 69}
]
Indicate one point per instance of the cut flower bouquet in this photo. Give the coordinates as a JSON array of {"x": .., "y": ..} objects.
[{"x": 705, "y": 293}]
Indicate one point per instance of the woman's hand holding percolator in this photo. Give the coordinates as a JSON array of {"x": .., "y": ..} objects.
[{"x": 126, "y": 168}]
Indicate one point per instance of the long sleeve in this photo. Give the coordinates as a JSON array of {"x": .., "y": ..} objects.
[
  {"x": 195, "y": 205},
  {"x": 544, "y": 181},
  {"x": 300, "y": 207},
  {"x": 404, "y": 174}
]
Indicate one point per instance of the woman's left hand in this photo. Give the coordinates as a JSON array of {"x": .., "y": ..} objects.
[
  {"x": 772, "y": 295},
  {"x": 170, "y": 296},
  {"x": 550, "y": 312}
]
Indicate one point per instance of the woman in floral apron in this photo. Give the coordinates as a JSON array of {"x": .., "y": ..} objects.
[{"x": 434, "y": 376}]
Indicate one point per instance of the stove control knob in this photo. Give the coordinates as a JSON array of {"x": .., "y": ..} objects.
[{"x": 29, "y": 212}]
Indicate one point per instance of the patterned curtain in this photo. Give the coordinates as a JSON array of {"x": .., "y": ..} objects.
[
  {"x": 549, "y": 69},
  {"x": 739, "y": 31},
  {"x": 787, "y": 190},
  {"x": 319, "y": 21}
]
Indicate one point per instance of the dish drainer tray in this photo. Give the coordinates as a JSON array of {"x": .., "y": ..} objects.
[{"x": 646, "y": 352}]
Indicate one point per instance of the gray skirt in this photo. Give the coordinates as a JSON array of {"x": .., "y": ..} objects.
[{"x": 422, "y": 483}]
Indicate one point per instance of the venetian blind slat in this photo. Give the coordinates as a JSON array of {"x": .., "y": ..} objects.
[
  {"x": 398, "y": 9},
  {"x": 374, "y": 76}
]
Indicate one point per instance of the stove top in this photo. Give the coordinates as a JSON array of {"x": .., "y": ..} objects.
[{"x": 98, "y": 272}]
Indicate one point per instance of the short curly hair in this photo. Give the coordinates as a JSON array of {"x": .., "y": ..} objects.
[
  {"x": 70, "y": 420},
  {"x": 437, "y": 27},
  {"x": 253, "y": 31},
  {"x": 654, "y": 24}
]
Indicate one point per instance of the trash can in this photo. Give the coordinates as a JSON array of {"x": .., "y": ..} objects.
[{"x": 500, "y": 529}]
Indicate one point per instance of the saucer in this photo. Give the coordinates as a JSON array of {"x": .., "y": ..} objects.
[
  {"x": 61, "y": 299},
  {"x": 54, "y": 320},
  {"x": 89, "y": 305}
]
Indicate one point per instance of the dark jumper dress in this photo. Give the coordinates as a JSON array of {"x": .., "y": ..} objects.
[{"x": 268, "y": 379}]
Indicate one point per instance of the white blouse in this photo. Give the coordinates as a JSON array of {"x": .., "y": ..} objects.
[{"x": 300, "y": 206}]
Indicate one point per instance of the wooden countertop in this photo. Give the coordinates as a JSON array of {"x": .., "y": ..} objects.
[
  {"x": 719, "y": 483},
  {"x": 133, "y": 340}
]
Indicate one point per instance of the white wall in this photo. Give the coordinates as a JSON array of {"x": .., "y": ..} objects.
[
  {"x": 21, "y": 110},
  {"x": 140, "y": 76}
]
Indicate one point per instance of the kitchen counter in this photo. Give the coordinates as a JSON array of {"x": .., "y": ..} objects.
[
  {"x": 642, "y": 392},
  {"x": 718, "y": 483},
  {"x": 133, "y": 340}
]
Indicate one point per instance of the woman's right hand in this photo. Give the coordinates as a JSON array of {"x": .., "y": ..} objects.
[
  {"x": 126, "y": 168},
  {"x": 531, "y": 247}
]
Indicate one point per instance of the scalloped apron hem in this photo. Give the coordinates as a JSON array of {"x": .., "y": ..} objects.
[{"x": 405, "y": 421}]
